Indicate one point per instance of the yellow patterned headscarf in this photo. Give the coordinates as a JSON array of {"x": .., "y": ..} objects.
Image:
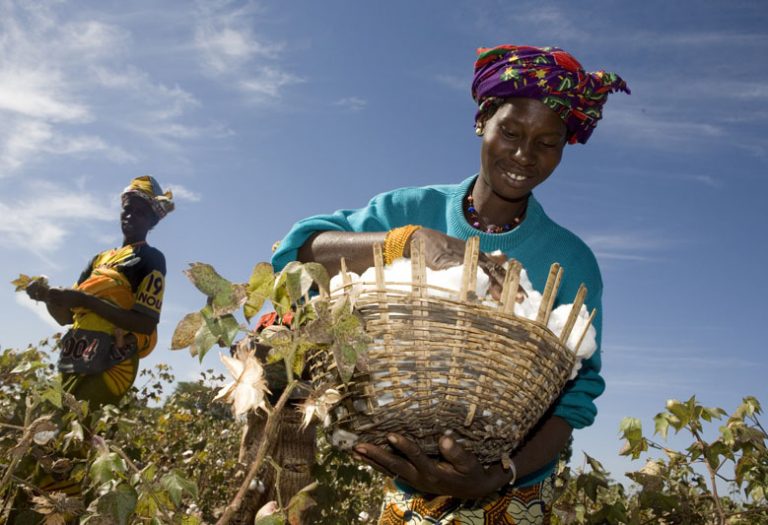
[{"x": 148, "y": 189}]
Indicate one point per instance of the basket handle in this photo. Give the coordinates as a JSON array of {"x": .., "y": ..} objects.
[
  {"x": 586, "y": 329},
  {"x": 574, "y": 313},
  {"x": 511, "y": 285},
  {"x": 378, "y": 261},
  {"x": 418, "y": 268},
  {"x": 550, "y": 292},
  {"x": 469, "y": 277}
]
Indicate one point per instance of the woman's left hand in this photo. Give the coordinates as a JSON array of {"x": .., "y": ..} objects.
[
  {"x": 457, "y": 473},
  {"x": 66, "y": 297}
]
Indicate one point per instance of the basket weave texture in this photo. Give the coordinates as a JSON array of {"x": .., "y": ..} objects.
[{"x": 438, "y": 364}]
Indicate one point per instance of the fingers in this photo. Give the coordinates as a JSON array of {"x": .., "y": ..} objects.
[
  {"x": 461, "y": 460},
  {"x": 385, "y": 462}
]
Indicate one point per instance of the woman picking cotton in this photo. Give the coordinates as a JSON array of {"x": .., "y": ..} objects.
[
  {"x": 115, "y": 306},
  {"x": 531, "y": 102}
]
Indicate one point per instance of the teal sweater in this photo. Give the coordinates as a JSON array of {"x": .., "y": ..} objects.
[{"x": 537, "y": 243}]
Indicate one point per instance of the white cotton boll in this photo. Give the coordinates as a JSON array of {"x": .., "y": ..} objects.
[
  {"x": 529, "y": 308},
  {"x": 343, "y": 439},
  {"x": 557, "y": 321},
  {"x": 525, "y": 282}
]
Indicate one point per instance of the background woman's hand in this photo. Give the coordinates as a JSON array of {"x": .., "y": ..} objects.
[
  {"x": 37, "y": 290},
  {"x": 457, "y": 473},
  {"x": 442, "y": 251}
]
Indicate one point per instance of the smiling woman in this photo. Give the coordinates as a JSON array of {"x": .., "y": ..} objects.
[
  {"x": 115, "y": 306},
  {"x": 531, "y": 102}
]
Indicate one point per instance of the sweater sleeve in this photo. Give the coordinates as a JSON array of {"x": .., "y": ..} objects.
[
  {"x": 383, "y": 212},
  {"x": 577, "y": 403}
]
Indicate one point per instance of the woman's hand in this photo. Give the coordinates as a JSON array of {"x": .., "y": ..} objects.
[
  {"x": 442, "y": 251},
  {"x": 457, "y": 473},
  {"x": 37, "y": 290}
]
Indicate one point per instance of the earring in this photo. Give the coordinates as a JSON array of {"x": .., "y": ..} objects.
[{"x": 479, "y": 130}]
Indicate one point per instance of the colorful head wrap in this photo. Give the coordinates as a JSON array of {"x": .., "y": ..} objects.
[
  {"x": 147, "y": 188},
  {"x": 550, "y": 75}
]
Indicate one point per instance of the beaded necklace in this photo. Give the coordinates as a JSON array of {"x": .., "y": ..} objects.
[{"x": 477, "y": 223}]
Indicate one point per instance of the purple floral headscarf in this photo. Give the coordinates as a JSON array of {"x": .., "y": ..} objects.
[{"x": 550, "y": 75}]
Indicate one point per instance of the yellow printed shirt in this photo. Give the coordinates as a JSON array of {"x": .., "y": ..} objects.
[{"x": 131, "y": 277}]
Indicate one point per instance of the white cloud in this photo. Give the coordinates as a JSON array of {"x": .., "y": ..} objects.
[
  {"x": 627, "y": 246},
  {"x": 183, "y": 194},
  {"x": 42, "y": 224},
  {"x": 39, "y": 309},
  {"x": 633, "y": 124},
  {"x": 352, "y": 103},
  {"x": 459, "y": 83},
  {"x": 231, "y": 52},
  {"x": 268, "y": 82}
]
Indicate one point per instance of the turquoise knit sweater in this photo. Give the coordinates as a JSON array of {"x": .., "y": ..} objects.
[{"x": 537, "y": 243}]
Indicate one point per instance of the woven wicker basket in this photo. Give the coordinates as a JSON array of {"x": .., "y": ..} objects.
[{"x": 437, "y": 365}]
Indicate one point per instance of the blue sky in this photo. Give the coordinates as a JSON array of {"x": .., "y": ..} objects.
[{"x": 259, "y": 113}]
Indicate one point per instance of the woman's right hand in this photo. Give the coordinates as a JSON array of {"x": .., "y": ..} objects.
[
  {"x": 442, "y": 251},
  {"x": 38, "y": 290}
]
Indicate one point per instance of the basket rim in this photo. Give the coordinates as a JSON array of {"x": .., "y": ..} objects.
[{"x": 493, "y": 312}]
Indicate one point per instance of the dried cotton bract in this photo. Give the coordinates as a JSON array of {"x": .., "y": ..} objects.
[
  {"x": 249, "y": 389},
  {"x": 319, "y": 407}
]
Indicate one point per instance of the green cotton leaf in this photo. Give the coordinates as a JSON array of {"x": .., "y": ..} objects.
[
  {"x": 52, "y": 394},
  {"x": 708, "y": 414},
  {"x": 223, "y": 328},
  {"x": 349, "y": 342},
  {"x": 590, "y": 483},
  {"x": 661, "y": 421},
  {"x": 177, "y": 485},
  {"x": 279, "y": 297},
  {"x": 680, "y": 411},
  {"x": 297, "y": 280},
  {"x": 204, "y": 341},
  {"x": 226, "y": 296},
  {"x": 190, "y": 520},
  {"x": 300, "y": 504},
  {"x": 596, "y": 466},
  {"x": 293, "y": 285},
  {"x": 273, "y": 519},
  {"x": 345, "y": 356},
  {"x": 23, "y": 281},
  {"x": 184, "y": 334},
  {"x": 108, "y": 466},
  {"x": 258, "y": 289},
  {"x": 119, "y": 504},
  {"x": 319, "y": 275},
  {"x": 632, "y": 430}
]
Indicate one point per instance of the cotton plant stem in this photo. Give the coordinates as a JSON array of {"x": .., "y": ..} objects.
[
  {"x": 268, "y": 436},
  {"x": 712, "y": 478},
  {"x": 278, "y": 472},
  {"x": 16, "y": 458},
  {"x": 146, "y": 485}
]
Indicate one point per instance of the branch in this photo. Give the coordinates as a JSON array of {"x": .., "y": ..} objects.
[
  {"x": 270, "y": 431},
  {"x": 712, "y": 477},
  {"x": 147, "y": 487}
]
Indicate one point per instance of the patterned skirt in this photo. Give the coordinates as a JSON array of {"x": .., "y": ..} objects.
[{"x": 514, "y": 506}]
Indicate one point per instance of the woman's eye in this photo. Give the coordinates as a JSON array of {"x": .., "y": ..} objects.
[{"x": 508, "y": 133}]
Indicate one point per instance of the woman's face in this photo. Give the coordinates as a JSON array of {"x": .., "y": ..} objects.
[
  {"x": 136, "y": 217},
  {"x": 522, "y": 145}
]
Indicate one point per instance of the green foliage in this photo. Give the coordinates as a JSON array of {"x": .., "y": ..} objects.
[{"x": 680, "y": 486}]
